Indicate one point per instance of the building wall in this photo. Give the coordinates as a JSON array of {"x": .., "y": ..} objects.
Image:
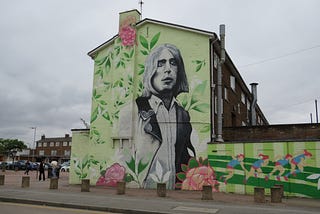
[
  {"x": 56, "y": 148},
  {"x": 283, "y": 132},
  {"x": 299, "y": 177},
  {"x": 118, "y": 73},
  {"x": 117, "y": 148}
]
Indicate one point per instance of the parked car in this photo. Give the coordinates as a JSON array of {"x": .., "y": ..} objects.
[
  {"x": 65, "y": 167},
  {"x": 17, "y": 165}
]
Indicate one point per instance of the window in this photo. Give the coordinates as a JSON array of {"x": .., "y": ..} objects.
[
  {"x": 39, "y": 144},
  {"x": 70, "y": 143},
  {"x": 65, "y": 143},
  {"x": 57, "y": 144},
  {"x": 53, "y": 152},
  {"x": 233, "y": 83},
  {"x": 238, "y": 107},
  {"x": 51, "y": 144},
  {"x": 243, "y": 98},
  {"x": 66, "y": 152},
  {"x": 44, "y": 144},
  {"x": 41, "y": 153}
]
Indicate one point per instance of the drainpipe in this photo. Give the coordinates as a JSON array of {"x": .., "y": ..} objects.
[
  {"x": 253, "y": 104},
  {"x": 219, "y": 84}
]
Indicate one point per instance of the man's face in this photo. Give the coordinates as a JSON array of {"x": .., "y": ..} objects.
[{"x": 165, "y": 77}]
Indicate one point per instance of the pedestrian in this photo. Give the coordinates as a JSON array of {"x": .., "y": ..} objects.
[
  {"x": 41, "y": 171},
  {"x": 27, "y": 168}
]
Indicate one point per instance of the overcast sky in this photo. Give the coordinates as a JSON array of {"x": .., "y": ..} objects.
[{"x": 46, "y": 75}]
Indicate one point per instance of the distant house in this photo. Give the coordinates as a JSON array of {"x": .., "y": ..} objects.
[{"x": 54, "y": 148}]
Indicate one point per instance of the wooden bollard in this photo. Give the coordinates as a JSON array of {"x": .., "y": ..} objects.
[
  {"x": 85, "y": 185},
  {"x": 206, "y": 192},
  {"x": 53, "y": 183},
  {"x": 282, "y": 189},
  {"x": 121, "y": 187},
  {"x": 25, "y": 181},
  {"x": 1, "y": 179},
  {"x": 276, "y": 196},
  {"x": 161, "y": 189},
  {"x": 259, "y": 196}
]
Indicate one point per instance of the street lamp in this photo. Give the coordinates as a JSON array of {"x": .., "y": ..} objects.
[{"x": 34, "y": 141}]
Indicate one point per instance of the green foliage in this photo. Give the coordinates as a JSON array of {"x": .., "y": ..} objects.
[
  {"x": 7, "y": 146},
  {"x": 148, "y": 45},
  {"x": 199, "y": 64},
  {"x": 82, "y": 166},
  {"x": 136, "y": 171}
]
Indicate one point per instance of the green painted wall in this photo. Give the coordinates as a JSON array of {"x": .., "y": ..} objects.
[
  {"x": 117, "y": 82},
  {"x": 303, "y": 182}
]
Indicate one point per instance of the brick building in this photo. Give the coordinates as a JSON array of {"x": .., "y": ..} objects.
[{"x": 55, "y": 148}]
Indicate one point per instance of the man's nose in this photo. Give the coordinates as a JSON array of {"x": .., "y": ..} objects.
[{"x": 167, "y": 68}]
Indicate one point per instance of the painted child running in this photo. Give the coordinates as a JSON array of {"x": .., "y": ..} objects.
[
  {"x": 237, "y": 160},
  {"x": 255, "y": 169},
  {"x": 298, "y": 161},
  {"x": 281, "y": 162}
]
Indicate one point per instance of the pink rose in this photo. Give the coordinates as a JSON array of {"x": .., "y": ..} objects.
[
  {"x": 101, "y": 181},
  {"x": 127, "y": 35},
  {"x": 199, "y": 176},
  {"x": 114, "y": 174}
]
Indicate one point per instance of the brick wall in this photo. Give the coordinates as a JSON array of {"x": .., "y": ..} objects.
[{"x": 287, "y": 132}]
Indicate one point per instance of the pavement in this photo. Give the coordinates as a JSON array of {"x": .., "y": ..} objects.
[{"x": 135, "y": 200}]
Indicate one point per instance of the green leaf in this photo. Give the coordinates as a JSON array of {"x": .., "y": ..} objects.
[
  {"x": 181, "y": 176},
  {"x": 126, "y": 55},
  {"x": 193, "y": 163},
  {"x": 205, "y": 128},
  {"x": 203, "y": 108},
  {"x": 154, "y": 40},
  {"x": 107, "y": 66},
  {"x": 184, "y": 101},
  {"x": 200, "y": 160},
  {"x": 199, "y": 90},
  {"x": 103, "y": 172},
  {"x": 144, "y": 42},
  {"x": 95, "y": 162},
  {"x": 131, "y": 53},
  {"x": 96, "y": 132},
  {"x": 144, "y": 52},
  {"x": 131, "y": 165},
  {"x": 141, "y": 166},
  {"x": 128, "y": 178},
  {"x": 198, "y": 67},
  {"x": 102, "y": 102},
  {"x": 184, "y": 167},
  {"x": 205, "y": 162},
  {"x": 97, "y": 96},
  {"x": 94, "y": 115},
  {"x": 178, "y": 185},
  {"x": 106, "y": 116},
  {"x": 100, "y": 61}
]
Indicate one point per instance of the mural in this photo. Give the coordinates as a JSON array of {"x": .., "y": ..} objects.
[
  {"x": 293, "y": 164},
  {"x": 150, "y": 112}
]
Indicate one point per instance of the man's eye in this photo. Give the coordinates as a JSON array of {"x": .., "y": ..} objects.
[
  {"x": 173, "y": 62},
  {"x": 161, "y": 63}
]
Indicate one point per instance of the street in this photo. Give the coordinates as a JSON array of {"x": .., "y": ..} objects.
[{"x": 13, "y": 208}]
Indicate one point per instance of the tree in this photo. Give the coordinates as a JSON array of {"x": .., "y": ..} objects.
[{"x": 11, "y": 146}]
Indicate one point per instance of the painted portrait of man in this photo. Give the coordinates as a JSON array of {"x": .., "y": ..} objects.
[{"x": 161, "y": 127}]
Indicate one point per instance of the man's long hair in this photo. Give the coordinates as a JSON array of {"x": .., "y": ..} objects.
[{"x": 151, "y": 65}]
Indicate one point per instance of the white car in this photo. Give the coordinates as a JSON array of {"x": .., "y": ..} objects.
[{"x": 65, "y": 168}]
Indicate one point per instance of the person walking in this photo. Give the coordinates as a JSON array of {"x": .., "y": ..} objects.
[
  {"x": 27, "y": 168},
  {"x": 41, "y": 171}
]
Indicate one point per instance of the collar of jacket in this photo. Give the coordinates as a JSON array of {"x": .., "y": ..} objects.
[{"x": 146, "y": 112}]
